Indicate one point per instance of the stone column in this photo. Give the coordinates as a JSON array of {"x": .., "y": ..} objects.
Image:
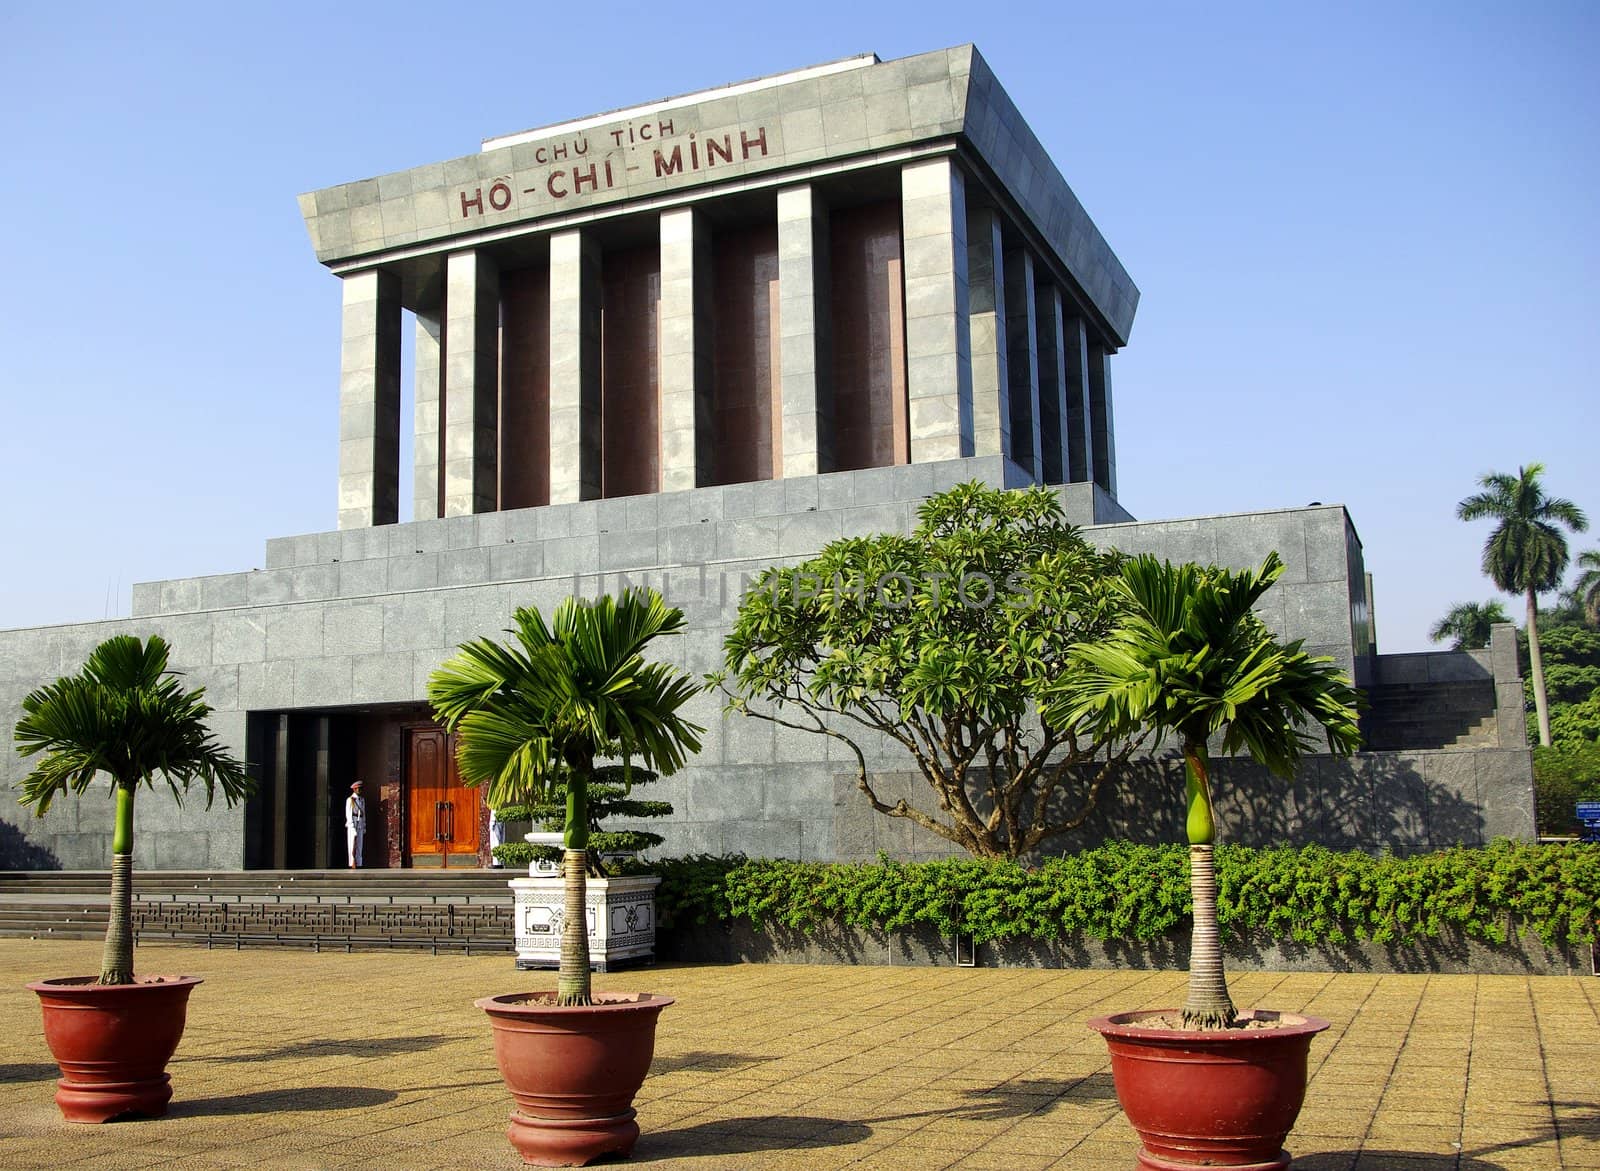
[
  {"x": 1048, "y": 317},
  {"x": 574, "y": 367},
  {"x": 1102, "y": 429},
  {"x": 426, "y": 452},
  {"x": 804, "y": 351},
  {"x": 685, "y": 350},
  {"x": 471, "y": 384},
  {"x": 986, "y": 292},
  {"x": 1022, "y": 363},
  {"x": 1080, "y": 441},
  {"x": 938, "y": 329},
  {"x": 369, "y": 401}
]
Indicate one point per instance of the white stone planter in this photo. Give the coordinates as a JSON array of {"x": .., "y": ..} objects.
[{"x": 621, "y": 914}]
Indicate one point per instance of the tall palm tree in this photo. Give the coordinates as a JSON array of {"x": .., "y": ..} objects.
[
  {"x": 1587, "y": 588},
  {"x": 1526, "y": 553},
  {"x": 539, "y": 711},
  {"x": 1468, "y": 624},
  {"x": 127, "y": 716},
  {"x": 1192, "y": 658}
]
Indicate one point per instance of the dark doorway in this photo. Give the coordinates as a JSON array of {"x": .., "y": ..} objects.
[{"x": 303, "y": 763}]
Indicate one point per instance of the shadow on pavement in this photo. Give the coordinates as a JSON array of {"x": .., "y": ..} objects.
[
  {"x": 340, "y": 1047},
  {"x": 1372, "y": 1159},
  {"x": 1018, "y": 1099},
  {"x": 708, "y": 1062},
  {"x": 292, "y": 1100},
  {"x": 748, "y": 1136}
]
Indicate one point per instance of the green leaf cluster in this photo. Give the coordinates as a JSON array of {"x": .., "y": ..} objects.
[
  {"x": 1571, "y": 651},
  {"x": 1563, "y": 775},
  {"x": 610, "y": 794},
  {"x": 1122, "y": 891},
  {"x": 944, "y": 642}
]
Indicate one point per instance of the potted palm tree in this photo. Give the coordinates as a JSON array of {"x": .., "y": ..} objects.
[
  {"x": 1206, "y": 1085},
  {"x": 124, "y": 716},
  {"x": 529, "y": 715}
]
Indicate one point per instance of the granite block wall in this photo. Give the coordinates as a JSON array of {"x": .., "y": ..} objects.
[{"x": 361, "y": 617}]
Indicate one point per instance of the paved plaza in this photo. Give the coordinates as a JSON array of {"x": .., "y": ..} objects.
[{"x": 299, "y": 1060}]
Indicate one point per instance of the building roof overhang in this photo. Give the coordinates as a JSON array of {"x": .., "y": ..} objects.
[{"x": 786, "y": 128}]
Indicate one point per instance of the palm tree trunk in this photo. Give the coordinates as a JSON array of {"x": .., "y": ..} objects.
[
  {"x": 116, "y": 961},
  {"x": 1208, "y": 1006},
  {"x": 572, "y": 981},
  {"x": 1541, "y": 705}
]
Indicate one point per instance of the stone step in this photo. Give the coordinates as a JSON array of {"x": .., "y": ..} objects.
[{"x": 470, "y": 912}]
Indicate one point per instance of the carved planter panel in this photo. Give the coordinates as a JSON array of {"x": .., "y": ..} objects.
[{"x": 621, "y": 914}]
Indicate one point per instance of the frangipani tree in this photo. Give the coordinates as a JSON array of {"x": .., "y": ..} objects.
[
  {"x": 943, "y": 642},
  {"x": 124, "y": 715},
  {"x": 1192, "y": 659},
  {"x": 539, "y": 711}
]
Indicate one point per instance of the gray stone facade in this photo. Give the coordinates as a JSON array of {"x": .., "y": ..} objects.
[{"x": 359, "y": 618}]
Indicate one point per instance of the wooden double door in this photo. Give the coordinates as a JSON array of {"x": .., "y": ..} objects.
[{"x": 442, "y": 814}]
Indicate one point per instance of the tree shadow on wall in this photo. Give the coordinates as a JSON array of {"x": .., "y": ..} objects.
[
  {"x": 1369, "y": 801},
  {"x": 18, "y": 853}
]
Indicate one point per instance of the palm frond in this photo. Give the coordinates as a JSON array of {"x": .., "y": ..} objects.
[{"x": 124, "y": 714}]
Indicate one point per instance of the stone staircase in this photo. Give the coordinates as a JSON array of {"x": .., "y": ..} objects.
[
  {"x": 1430, "y": 715},
  {"x": 467, "y": 911}
]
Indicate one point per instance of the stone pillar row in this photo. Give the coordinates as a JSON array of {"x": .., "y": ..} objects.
[{"x": 996, "y": 361}]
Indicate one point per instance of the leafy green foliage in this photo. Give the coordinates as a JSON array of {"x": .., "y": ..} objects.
[
  {"x": 610, "y": 795},
  {"x": 1122, "y": 891},
  {"x": 1586, "y": 589},
  {"x": 1192, "y": 657},
  {"x": 1575, "y": 725},
  {"x": 1571, "y": 653},
  {"x": 944, "y": 642},
  {"x": 1571, "y": 663},
  {"x": 1563, "y": 775},
  {"x": 1468, "y": 624},
  {"x": 534, "y": 714},
  {"x": 126, "y": 715},
  {"x": 1527, "y": 551}
]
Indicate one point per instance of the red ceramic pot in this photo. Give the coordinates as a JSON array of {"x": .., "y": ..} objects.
[
  {"x": 113, "y": 1042},
  {"x": 574, "y": 1071},
  {"x": 1210, "y": 1098}
]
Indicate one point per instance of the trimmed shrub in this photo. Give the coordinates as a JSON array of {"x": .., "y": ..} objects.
[{"x": 1122, "y": 891}]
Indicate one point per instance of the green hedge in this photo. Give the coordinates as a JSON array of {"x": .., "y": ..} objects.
[{"x": 1128, "y": 892}]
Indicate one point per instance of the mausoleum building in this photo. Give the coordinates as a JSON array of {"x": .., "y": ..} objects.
[{"x": 675, "y": 344}]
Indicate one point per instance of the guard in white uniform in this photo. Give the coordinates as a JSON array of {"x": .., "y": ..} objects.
[{"x": 355, "y": 823}]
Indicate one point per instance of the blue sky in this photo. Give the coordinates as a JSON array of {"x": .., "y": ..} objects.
[{"x": 1364, "y": 235}]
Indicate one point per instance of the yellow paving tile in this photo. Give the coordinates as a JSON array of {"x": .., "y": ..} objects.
[{"x": 304, "y": 1062}]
